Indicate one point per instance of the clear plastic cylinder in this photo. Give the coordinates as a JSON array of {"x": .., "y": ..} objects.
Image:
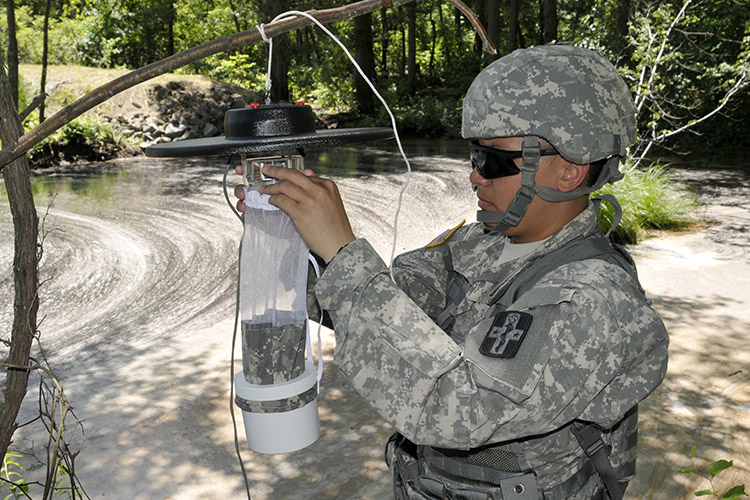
[{"x": 273, "y": 286}]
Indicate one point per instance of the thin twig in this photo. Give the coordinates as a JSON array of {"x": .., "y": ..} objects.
[{"x": 35, "y": 103}]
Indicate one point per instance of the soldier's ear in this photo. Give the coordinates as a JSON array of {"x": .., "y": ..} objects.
[{"x": 573, "y": 176}]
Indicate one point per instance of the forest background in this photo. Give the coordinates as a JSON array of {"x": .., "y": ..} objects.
[
  {"x": 687, "y": 63},
  {"x": 681, "y": 58}
]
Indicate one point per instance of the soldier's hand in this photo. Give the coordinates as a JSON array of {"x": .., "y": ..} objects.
[{"x": 314, "y": 205}]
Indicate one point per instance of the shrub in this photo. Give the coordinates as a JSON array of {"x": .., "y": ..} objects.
[
  {"x": 651, "y": 198},
  {"x": 83, "y": 139}
]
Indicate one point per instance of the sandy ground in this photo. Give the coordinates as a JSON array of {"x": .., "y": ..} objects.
[{"x": 157, "y": 423}]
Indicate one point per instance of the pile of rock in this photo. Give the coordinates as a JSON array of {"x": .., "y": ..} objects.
[{"x": 177, "y": 112}]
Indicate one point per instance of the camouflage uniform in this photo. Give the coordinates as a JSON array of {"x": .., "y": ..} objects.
[{"x": 593, "y": 350}]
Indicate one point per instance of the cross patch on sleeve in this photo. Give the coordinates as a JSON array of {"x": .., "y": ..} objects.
[{"x": 506, "y": 334}]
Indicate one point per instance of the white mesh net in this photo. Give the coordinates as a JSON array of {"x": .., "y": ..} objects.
[{"x": 273, "y": 276}]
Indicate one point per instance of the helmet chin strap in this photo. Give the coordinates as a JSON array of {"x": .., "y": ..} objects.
[
  {"x": 609, "y": 173},
  {"x": 517, "y": 208}
]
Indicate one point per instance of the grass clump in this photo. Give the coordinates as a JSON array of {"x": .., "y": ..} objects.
[{"x": 651, "y": 198}]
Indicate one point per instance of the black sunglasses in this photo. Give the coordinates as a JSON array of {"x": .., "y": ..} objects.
[{"x": 492, "y": 163}]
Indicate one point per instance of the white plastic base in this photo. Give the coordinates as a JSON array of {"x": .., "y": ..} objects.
[{"x": 282, "y": 432}]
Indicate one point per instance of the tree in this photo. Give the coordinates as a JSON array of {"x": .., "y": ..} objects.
[
  {"x": 25, "y": 267},
  {"x": 279, "y": 58},
  {"x": 549, "y": 21},
  {"x": 492, "y": 13},
  {"x": 689, "y": 62},
  {"x": 411, "y": 65},
  {"x": 515, "y": 28},
  {"x": 365, "y": 57},
  {"x": 45, "y": 53},
  {"x": 12, "y": 51}
]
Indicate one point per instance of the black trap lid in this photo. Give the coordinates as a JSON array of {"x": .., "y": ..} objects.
[{"x": 266, "y": 128}]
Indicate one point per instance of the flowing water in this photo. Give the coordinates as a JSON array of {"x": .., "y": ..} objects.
[{"x": 137, "y": 302}]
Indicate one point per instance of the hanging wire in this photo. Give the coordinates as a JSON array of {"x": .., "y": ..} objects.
[
  {"x": 239, "y": 216},
  {"x": 387, "y": 108}
]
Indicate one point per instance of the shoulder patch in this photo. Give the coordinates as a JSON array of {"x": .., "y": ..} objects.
[
  {"x": 506, "y": 334},
  {"x": 443, "y": 237}
]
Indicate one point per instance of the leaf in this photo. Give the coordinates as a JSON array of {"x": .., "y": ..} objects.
[
  {"x": 703, "y": 493},
  {"x": 734, "y": 493},
  {"x": 693, "y": 450},
  {"x": 686, "y": 470},
  {"x": 718, "y": 466}
]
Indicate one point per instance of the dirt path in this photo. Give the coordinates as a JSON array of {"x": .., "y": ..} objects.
[{"x": 700, "y": 283}]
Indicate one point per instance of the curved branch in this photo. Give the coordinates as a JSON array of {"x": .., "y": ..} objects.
[
  {"x": 488, "y": 46},
  {"x": 223, "y": 44},
  {"x": 705, "y": 117}
]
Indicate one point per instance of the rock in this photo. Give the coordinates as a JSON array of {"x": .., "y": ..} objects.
[
  {"x": 173, "y": 131},
  {"x": 150, "y": 127},
  {"x": 189, "y": 134},
  {"x": 209, "y": 130}
]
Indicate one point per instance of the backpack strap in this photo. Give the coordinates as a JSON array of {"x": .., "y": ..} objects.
[
  {"x": 457, "y": 288},
  {"x": 591, "y": 441},
  {"x": 578, "y": 250}
]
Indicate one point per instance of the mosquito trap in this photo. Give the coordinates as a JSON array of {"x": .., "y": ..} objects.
[{"x": 277, "y": 387}]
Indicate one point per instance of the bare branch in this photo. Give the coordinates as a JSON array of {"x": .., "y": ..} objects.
[
  {"x": 35, "y": 103},
  {"x": 705, "y": 117},
  {"x": 660, "y": 55}
]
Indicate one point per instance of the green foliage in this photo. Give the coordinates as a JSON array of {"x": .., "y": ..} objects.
[
  {"x": 685, "y": 59},
  {"x": 85, "y": 138},
  {"x": 711, "y": 471},
  {"x": 239, "y": 69},
  {"x": 11, "y": 476},
  {"x": 430, "y": 116},
  {"x": 651, "y": 198}
]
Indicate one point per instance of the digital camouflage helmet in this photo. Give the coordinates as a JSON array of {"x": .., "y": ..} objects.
[{"x": 572, "y": 97}]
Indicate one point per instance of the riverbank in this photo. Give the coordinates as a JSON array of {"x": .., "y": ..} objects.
[{"x": 167, "y": 108}]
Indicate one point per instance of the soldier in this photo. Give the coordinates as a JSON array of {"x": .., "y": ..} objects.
[{"x": 510, "y": 354}]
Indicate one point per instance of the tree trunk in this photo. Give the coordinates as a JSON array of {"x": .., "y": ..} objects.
[
  {"x": 235, "y": 16},
  {"x": 25, "y": 270},
  {"x": 365, "y": 57},
  {"x": 10, "y": 8},
  {"x": 280, "y": 61},
  {"x": 513, "y": 25},
  {"x": 433, "y": 44},
  {"x": 402, "y": 69},
  {"x": 623, "y": 16},
  {"x": 314, "y": 42},
  {"x": 171, "y": 15},
  {"x": 549, "y": 26},
  {"x": 411, "y": 65},
  {"x": 492, "y": 14},
  {"x": 45, "y": 52},
  {"x": 384, "y": 41}
]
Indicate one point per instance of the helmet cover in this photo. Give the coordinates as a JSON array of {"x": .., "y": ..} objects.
[{"x": 570, "y": 96}]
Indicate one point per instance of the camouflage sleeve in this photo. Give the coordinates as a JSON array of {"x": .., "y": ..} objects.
[
  {"x": 421, "y": 275},
  {"x": 579, "y": 343}
]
